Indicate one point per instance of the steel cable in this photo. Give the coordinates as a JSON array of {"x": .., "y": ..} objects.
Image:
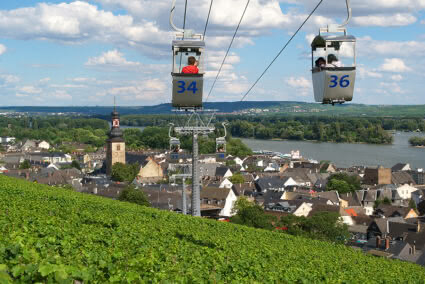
[{"x": 280, "y": 52}]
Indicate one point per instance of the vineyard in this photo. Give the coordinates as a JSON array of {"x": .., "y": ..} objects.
[{"x": 54, "y": 235}]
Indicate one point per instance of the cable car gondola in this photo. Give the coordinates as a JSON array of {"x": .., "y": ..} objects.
[
  {"x": 174, "y": 146},
  {"x": 333, "y": 61},
  {"x": 220, "y": 145},
  {"x": 187, "y": 88}
]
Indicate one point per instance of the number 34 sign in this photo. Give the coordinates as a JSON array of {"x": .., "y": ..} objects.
[
  {"x": 343, "y": 82},
  {"x": 182, "y": 87}
]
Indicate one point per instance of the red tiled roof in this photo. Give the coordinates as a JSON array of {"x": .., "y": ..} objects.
[{"x": 351, "y": 212}]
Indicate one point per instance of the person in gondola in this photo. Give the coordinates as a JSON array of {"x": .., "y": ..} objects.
[
  {"x": 333, "y": 61},
  {"x": 319, "y": 63},
  {"x": 192, "y": 67}
]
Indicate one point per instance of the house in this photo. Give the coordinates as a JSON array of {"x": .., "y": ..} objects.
[
  {"x": 405, "y": 191},
  {"x": 272, "y": 167},
  {"x": 244, "y": 189},
  {"x": 208, "y": 170},
  {"x": 320, "y": 184},
  {"x": 7, "y": 140},
  {"x": 166, "y": 197},
  {"x": 43, "y": 145},
  {"x": 332, "y": 196},
  {"x": 400, "y": 167},
  {"x": 396, "y": 249},
  {"x": 388, "y": 211},
  {"x": 273, "y": 184},
  {"x": 49, "y": 158},
  {"x": 222, "y": 173},
  {"x": 33, "y": 144},
  {"x": 52, "y": 176},
  {"x": 3, "y": 170},
  {"x": 370, "y": 196},
  {"x": 418, "y": 176},
  {"x": 226, "y": 183},
  {"x": 302, "y": 176},
  {"x": 418, "y": 196},
  {"x": 318, "y": 208},
  {"x": 223, "y": 198},
  {"x": 152, "y": 172},
  {"x": 396, "y": 230},
  {"x": 402, "y": 178},
  {"x": 328, "y": 168},
  {"x": 238, "y": 161},
  {"x": 351, "y": 199},
  {"x": 379, "y": 175},
  {"x": 295, "y": 207},
  {"x": 315, "y": 167}
]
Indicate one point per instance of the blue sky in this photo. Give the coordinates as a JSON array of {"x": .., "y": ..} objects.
[{"x": 69, "y": 53}]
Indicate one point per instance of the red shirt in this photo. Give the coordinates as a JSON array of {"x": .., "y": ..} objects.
[{"x": 190, "y": 69}]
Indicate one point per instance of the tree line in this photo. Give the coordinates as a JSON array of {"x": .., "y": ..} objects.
[
  {"x": 373, "y": 130},
  {"x": 57, "y": 130}
]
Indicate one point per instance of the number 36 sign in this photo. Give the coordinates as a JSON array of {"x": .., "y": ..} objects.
[{"x": 342, "y": 81}]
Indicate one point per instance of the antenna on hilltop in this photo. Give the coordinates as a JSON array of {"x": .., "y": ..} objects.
[{"x": 114, "y": 105}]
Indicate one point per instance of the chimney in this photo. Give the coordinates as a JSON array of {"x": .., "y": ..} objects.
[
  {"x": 387, "y": 243},
  {"x": 378, "y": 241}
]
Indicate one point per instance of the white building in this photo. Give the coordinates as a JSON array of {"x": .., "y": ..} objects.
[{"x": 7, "y": 140}]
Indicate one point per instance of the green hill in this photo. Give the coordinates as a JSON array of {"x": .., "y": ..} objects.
[{"x": 53, "y": 235}]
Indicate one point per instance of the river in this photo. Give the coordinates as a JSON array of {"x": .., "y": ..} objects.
[{"x": 347, "y": 154}]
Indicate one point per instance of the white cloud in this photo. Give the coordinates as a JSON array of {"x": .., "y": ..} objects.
[
  {"x": 366, "y": 73},
  {"x": 68, "y": 86},
  {"x": 2, "y": 49},
  {"x": 369, "y": 13},
  {"x": 391, "y": 88},
  {"x": 44, "y": 80},
  {"x": 146, "y": 91},
  {"x": 215, "y": 58},
  {"x": 423, "y": 22},
  {"x": 396, "y": 77},
  {"x": 22, "y": 95},
  {"x": 112, "y": 58},
  {"x": 30, "y": 90},
  {"x": 394, "y": 65},
  {"x": 61, "y": 95},
  {"x": 369, "y": 46},
  {"x": 302, "y": 85},
  {"x": 385, "y": 20},
  {"x": 6, "y": 79},
  {"x": 83, "y": 80},
  {"x": 298, "y": 82},
  {"x": 78, "y": 22}
]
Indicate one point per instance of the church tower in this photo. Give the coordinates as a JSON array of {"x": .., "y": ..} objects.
[{"x": 115, "y": 149}]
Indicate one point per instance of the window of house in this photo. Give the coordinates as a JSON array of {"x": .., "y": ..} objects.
[{"x": 118, "y": 147}]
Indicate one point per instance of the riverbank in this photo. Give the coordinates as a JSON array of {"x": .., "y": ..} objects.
[
  {"x": 350, "y": 154},
  {"x": 315, "y": 141}
]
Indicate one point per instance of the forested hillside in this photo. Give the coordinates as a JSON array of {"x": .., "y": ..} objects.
[{"x": 50, "y": 235}]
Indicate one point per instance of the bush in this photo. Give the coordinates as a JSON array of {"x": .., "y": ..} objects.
[{"x": 133, "y": 195}]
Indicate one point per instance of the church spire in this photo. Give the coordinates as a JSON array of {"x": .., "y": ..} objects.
[{"x": 115, "y": 130}]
